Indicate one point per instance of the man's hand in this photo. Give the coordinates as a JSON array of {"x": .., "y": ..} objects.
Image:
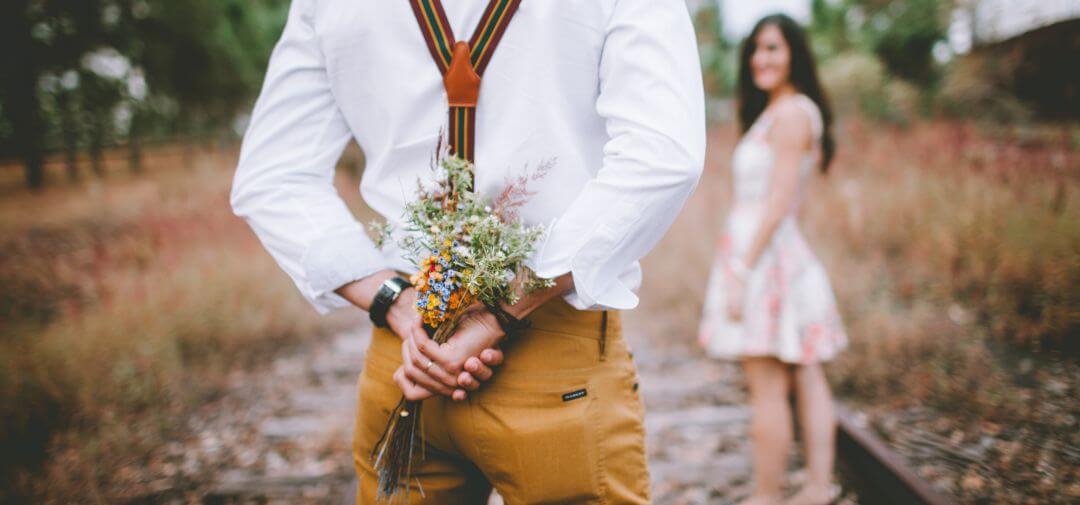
[
  {"x": 403, "y": 317},
  {"x": 467, "y": 356},
  {"x": 465, "y": 360},
  {"x": 415, "y": 372},
  {"x": 478, "y": 332},
  {"x": 420, "y": 376},
  {"x": 414, "y": 377}
]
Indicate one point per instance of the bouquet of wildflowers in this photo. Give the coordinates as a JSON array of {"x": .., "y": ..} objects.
[{"x": 468, "y": 253}]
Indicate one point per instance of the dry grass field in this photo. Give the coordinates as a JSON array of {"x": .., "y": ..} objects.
[
  {"x": 955, "y": 254},
  {"x": 127, "y": 302}
]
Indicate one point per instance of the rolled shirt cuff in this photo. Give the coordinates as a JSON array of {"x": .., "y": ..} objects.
[
  {"x": 600, "y": 281},
  {"x": 336, "y": 259}
]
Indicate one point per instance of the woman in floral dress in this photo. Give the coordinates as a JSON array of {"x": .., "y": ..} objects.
[{"x": 769, "y": 301}]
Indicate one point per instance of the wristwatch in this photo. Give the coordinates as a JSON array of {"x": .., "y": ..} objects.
[{"x": 386, "y": 296}]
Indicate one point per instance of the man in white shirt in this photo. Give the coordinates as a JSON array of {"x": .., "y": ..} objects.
[{"x": 611, "y": 91}]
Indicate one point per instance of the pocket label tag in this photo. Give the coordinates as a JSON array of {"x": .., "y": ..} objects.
[{"x": 574, "y": 395}]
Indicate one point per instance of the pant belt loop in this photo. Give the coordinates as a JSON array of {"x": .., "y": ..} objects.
[{"x": 603, "y": 336}]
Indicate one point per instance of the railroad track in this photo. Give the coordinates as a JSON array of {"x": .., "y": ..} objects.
[{"x": 877, "y": 474}]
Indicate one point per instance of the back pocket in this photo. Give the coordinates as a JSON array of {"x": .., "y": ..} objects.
[{"x": 539, "y": 443}]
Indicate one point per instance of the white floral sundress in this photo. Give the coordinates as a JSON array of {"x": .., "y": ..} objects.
[{"x": 790, "y": 309}]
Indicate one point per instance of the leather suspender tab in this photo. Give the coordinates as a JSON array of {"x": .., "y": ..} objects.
[
  {"x": 461, "y": 81},
  {"x": 462, "y": 63}
]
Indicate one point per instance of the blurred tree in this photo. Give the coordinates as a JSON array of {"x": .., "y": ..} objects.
[
  {"x": 80, "y": 73},
  {"x": 101, "y": 97},
  {"x": 69, "y": 29},
  {"x": 18, "y": 85},
  {"x": 903, "y": 33},
  {"x": 69, "y": 130},
  {"x": 717, "y": 52},
  {"x": 48, "y": 42},
  {"x": 828, "y": 28},
  {"x": 205, "y": 56}
]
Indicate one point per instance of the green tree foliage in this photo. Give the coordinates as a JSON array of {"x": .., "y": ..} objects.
[
  {"x": 876, "y": 56},
  {"x": 902, "y": 33},
  {"x": 206, "y": 57},
  {"x": 40, "y": 38},
  {"x": 828, "y": 28},
  {"x": 718, "y": 54},
  {"x": 81, "y": 74}
]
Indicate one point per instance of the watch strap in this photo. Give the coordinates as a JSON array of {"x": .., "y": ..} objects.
[
  {"x": 387, "y": 294},
  {"x": 510, "y": 325}
]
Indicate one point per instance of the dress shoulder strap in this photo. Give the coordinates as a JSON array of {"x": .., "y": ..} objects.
[{"x": 817, "y": 125}]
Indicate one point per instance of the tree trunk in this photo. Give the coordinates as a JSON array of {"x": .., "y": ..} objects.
[
  {"x": 135, "y": 144},
  {"x": 70, "y": 135},
  {"x": 97, "y": 149},
  {"x": 19, "y": 81}
]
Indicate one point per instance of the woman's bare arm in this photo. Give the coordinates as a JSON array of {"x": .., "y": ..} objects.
[{"x": 790, "y": 137}]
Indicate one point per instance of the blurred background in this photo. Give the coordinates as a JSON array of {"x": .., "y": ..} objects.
[{"x": 152, "y": 351}]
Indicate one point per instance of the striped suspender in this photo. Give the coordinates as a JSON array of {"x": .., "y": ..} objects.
[{"x": 462, "y": 64}]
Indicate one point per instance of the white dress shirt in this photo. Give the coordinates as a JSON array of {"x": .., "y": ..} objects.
[{"x": 610, "y": 90}]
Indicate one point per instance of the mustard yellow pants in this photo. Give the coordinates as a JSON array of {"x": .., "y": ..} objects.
[{"x": 560, "y": 422}]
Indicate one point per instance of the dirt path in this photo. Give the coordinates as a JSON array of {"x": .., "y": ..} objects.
[
  {"x": 695, "y": 421},
  {"x": 283, "y": 436}
]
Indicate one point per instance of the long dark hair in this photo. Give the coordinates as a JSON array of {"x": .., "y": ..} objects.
[{"x": 803, "y": 75}]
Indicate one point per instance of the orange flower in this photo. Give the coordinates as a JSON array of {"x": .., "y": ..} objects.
[{"x": 455, "y": 300}]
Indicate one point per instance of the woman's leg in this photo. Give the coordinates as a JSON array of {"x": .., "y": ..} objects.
[
  {"x": 770, "y": 426},
  {"x": 818, "y": 424}
]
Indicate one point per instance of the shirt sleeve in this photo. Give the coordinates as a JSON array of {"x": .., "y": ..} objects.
[
  {"x": 283, "y": 186},
  {"x": 652, "y": 101}
]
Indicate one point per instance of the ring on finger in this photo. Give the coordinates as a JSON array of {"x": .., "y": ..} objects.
[{"x": 428, "y": 365}]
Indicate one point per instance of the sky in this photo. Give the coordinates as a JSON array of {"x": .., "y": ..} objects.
[{"x": 741, "y": 15}]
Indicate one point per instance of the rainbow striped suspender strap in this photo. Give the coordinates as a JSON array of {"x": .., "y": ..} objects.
[{"x": 462, "y": 64}]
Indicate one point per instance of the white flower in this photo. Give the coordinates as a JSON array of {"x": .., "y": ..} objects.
[
  {"x": 487, "y": 208},
  {"x": 474, "y": 219},
  {"x": 509, "y": 275},
  {"x": 441, "y": 174}
]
